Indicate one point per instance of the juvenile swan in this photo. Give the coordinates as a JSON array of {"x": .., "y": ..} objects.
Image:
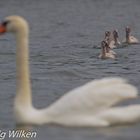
[
  {"x": 88, "y": 105},
  {"x": 112, "y": 39},
  {"x": 129, "y": 38},
  {"x": 106, "y": 52}
]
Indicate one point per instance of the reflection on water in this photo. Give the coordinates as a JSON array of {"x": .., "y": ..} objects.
[{"x": 63, "y": 37}]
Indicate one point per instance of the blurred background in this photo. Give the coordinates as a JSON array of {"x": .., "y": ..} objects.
[{"x": 63, "y": 34}]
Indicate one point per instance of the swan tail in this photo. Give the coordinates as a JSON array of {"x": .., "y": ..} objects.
[
  {"x": 81, "y": 121},
  {"x": 121, "y": 115},
  {"x": 93, "y": 97}
]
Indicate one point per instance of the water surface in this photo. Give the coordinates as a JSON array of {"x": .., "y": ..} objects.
[{"x": 62, "y": 36}]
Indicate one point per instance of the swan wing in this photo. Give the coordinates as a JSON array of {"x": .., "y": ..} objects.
[{"x": 93, "y": 97}]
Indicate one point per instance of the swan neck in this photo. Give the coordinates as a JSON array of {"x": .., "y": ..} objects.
[
  {"x": 127, "y": 36},
  {"x": 22, "y": 63},
  {"x": 115, "y": 39},
  {"x": 103, "y": 51}
]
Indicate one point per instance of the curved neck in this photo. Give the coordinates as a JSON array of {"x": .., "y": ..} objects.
[{"x": 22, "y": 62}]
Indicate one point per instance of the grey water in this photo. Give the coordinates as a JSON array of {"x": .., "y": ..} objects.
[{"x": 63, "y": 34}]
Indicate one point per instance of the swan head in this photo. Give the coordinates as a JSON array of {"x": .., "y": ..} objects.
[
  {"x": 115, "y": 34},
  {"x": 14, "y": 24},
  {"x": 128, "y": 29},
  {"x": 107, "y": 33},
  {"x": 103, "y": 44}
]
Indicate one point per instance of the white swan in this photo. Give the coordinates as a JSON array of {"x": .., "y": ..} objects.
[
  {"x": 89, "y": 105},
  {"x": 129, "y": 38}
]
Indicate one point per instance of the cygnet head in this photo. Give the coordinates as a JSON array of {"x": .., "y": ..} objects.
[
  {"x": 14, "y": 24},
  {"x": 107, "y": 33},
  {"x": 128, "y": 29},
  {"x": 103, "y": 44},
  {"x": 115, "y": 34}
]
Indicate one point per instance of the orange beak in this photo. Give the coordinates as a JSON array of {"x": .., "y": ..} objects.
[{"x": 2, "y": 29}]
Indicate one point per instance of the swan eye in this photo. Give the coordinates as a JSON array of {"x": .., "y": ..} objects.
[{"x": 5, "y": 23}]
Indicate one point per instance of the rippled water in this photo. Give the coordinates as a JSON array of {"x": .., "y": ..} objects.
[{"x": 62, "y": 36}]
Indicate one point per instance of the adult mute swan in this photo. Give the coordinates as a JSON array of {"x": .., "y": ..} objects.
[
  {"x": 129, "y": 38},
  {"x": 87, "y": 106}
]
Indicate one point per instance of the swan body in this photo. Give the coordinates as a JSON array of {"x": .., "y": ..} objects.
[
  {"x": 129, "y": 38},
  {"x": 113, "y": 53},
  {"x": 112, "y": 44},
  {"x": 87, "y": 106},
  {"x": 110, "y": 55}
]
